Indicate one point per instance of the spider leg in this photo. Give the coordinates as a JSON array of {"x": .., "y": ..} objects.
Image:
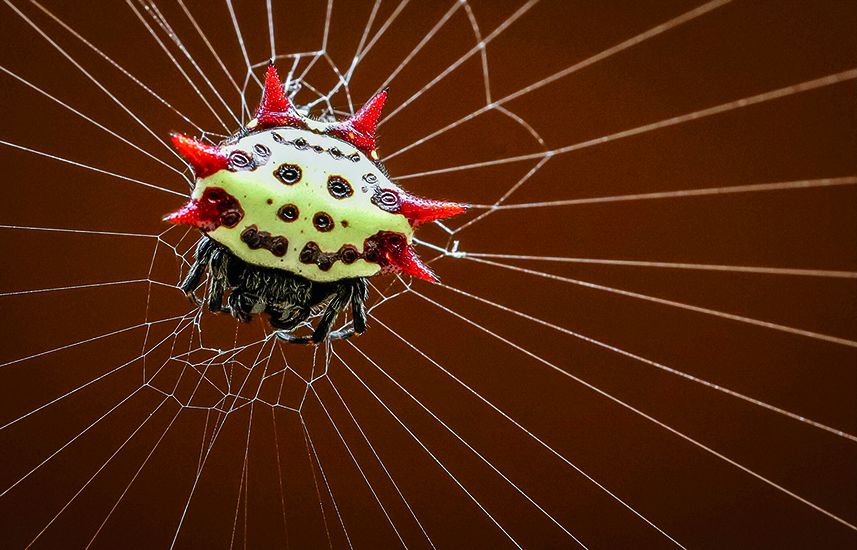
[
  {"x": 241, "y": 305},
  {"x": 341, "y": 297},
  {"x": 197, "y": 270},
  {"x": 286, "y": 319},
  {"x": 288, "y": 337},
  {"x": 354, "y": 291},
  {"x": 218, "y": 266},
  {"x": 344, "y": 334},
  {"x": 335, "y": 335},
  {"x": 358, "y": 306}
]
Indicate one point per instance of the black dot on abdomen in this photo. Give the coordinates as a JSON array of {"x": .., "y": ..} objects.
[
  {"x": 251, "y": 237},
  {"x": 338, "y": 187},
  {"x": 348, "y": 254},
  {"x": 309, "y": 253},
  {"x": 288, "y": 213},
  {"x": 322, "y": 221},
  {"x": 279, "y": 246}
]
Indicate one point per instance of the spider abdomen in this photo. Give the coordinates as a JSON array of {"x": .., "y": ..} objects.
[{"x": 297, "y": 213}]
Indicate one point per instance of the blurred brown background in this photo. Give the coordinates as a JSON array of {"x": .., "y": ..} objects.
[{"x": 706, "y": 467}]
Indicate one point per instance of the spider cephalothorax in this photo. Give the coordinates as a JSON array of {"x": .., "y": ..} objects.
[{"x": 297, "y": 213}]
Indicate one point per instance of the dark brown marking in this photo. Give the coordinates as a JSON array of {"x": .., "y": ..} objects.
[
  {"x": 381, "y": 246},
  {"x": 231, "y": 218},
  {"x": 216, "y": 207},
  {"x": 338, "y": 187},
  {"x": 279, "y": 246},
  {"x": 348, "y": 254},
  {"x": 310, "y": 253},
  {"x": 270, "y": 201},
  {"x": 322, "y": 221},
  {"x": 344, "y": 223},
  {"x": 251, "y": 237},
  {"x": 240, "y": 161},
  {"x": 386, "y": 200},
  {"x": 288, "y": 213},
  {"x": 325, "y": 262},
  {"x": 289, "y": 174},
  {"x": 375, "y": 247},
  {"x": 255, "y": 239}
]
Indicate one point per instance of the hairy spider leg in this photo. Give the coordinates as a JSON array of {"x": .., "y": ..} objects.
[
  {"x": 218, "y": 266},
  {"x": 340, "y": 298},
  {"x": 358, "y": 304},
  {"x": 194, "y": 277},
  {"x": 286, "y": 320},
  {"x": 241, "y": 305},
  {"x": 355, "y": 290}
]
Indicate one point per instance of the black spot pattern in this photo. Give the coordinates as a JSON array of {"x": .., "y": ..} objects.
[
  {"x": 322, "y": 221},
  {"x": 338, "y": 187},
  {"x": 288, "y": 213},
  {"x": 255, "y": 239},
  {"x": 312, "y": 254},
  {"x": 289, "y": 174}
]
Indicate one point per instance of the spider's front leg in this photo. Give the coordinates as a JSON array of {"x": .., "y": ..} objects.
[
  {"x": 358, "y": 304},
  {"x": 359, "y": 294},
  {"x": 285, "y": 323},
  {"x": 287, "y": 319},
  {"x": 219, "y": 279},
  {"x": 340, "y": 297},
  {"x": 241, "y": 305},
  {"x": 355, "y": 291},
  {"x": 202, "y": 257},
  {"x": 292, "y": 339}
]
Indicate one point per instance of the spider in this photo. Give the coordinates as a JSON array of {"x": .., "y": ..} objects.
[{"x": 296, "y": 214}]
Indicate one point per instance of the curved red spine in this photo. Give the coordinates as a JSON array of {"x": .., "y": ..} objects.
[
  {"x": 275, "y": 109},
  {"x": 205, "y": 159},
  {"x": 359, "y": 129}
]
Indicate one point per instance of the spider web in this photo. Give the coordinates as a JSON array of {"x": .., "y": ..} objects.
[{"x": 552, "y": 391}]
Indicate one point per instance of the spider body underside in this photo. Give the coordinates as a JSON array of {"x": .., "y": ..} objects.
[{"x": 288, "y": 299}]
